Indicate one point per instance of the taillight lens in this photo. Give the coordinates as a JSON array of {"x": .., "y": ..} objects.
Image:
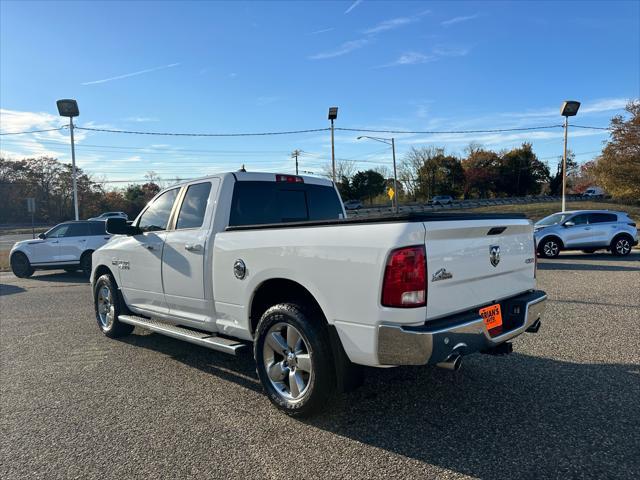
[
  {"x": 535, "y": 258},
  {"x": 405, "y": 278}
]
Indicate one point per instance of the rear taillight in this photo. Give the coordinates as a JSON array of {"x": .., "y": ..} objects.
[
  {"x": 405, "y": 278},
  {"x": 535, "y": 258}
]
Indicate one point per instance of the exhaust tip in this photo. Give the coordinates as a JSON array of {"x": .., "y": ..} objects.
[{"x": 453, "y": 362}]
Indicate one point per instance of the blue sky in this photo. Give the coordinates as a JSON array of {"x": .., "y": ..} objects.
[{"x": 269, "y": 66}]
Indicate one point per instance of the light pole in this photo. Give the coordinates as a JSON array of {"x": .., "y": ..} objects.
[
  {"x": 569, "y": 109},
  {"x": 333, "y": 114},
  {"x": 295, "y": 154},
  {"x": 69, "y": 108},
  {"x": 389, "y": 141}
]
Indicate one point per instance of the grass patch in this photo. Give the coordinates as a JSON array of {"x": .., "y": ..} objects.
[
  {"x": 4, "y": 261},
  {"x": 536, "y": 211}
]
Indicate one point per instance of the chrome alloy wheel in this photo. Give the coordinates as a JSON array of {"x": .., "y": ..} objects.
[
  {"x": 623, "y": 246},
  {"x": 551, "y": 248},
  {"x": 287, "y": 361},
  {"x": 106, "y": 310}
]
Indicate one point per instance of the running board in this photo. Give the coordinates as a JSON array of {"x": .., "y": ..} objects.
[{"x": 204, "y": 339}]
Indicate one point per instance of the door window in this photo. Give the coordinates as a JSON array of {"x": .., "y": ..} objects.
[
  {"x": 98, "y": 228},
  {"x": 194, "y": 206},
  {"x": 156, "y": 217},
  {"x": 602, "y": 218},
  {"x": 59, "y": 231},
  {"x": 77, "y": 230},
  {"x": 580, "y": 219}
]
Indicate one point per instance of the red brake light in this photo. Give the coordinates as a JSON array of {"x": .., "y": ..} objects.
[
  {"x": 289, "y": 179},
  {"x": 405, "y": 278}
]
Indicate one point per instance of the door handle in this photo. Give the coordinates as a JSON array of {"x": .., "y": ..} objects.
[
  {"x": 587, "y": 228},
  {"x": 55, "y": 241},
  {"x": 192, "y": 248},
  {"x": 148, "y": 247},
  {"x": 83, "y": 240}
]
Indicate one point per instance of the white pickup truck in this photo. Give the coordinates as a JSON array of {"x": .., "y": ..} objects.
[{"x": 271, "y": 260}]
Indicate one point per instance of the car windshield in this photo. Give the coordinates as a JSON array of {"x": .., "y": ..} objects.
[{"x": 554, "y": 219}]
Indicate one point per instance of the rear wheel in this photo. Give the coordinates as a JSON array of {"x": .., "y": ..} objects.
[
  {"x": 293, "y": 359},
  {"x": 549, "y": 248},
  {"x": 108, "y": 305},
  {"x": 21, "y": 266},
  {"x": 621, "y": 246}
]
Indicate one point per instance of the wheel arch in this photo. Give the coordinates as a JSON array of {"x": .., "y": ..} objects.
[
  {"x": 280, "y": 290},
  {"x": 100, "y": 270}
]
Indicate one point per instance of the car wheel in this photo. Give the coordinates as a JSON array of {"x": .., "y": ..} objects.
[
  {"x": 293, "y": 359},
  {"x": 589, "y": 250},
  {"x": 85, "y": 263},
  {"x": 108, "y": 305},
  {"x": 20, "y": 265},
  {"x": 621, "y": 246},
  {"x": 549, "y": 248}
]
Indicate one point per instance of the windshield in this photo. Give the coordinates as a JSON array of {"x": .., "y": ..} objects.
[{"x": 554, "y": 219}]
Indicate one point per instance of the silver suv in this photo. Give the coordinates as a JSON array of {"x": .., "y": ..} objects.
[{"x": 586, "y": 230}]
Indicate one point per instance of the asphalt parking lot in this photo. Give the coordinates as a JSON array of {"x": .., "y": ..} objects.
[{"x": 565, "y": 404}]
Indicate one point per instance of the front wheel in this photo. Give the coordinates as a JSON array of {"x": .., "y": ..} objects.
[
  {"x": 108, "y": 306},
  {"x": 293, "y": 359},
  {"x": 549, "y": 248},
  {"x": 20, "y": 265},
  {"x": 621, "y": 246}
]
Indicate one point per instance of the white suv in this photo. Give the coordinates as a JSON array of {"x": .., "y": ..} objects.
[{"x": 67, "y": 246}]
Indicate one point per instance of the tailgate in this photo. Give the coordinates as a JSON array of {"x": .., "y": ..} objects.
[{"x": 484, "y": 261}]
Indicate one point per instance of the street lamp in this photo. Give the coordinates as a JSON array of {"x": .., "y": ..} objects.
[
  {"x": 333, "y": 114},
  {"x": 569, "y": 109},
  {"x": 69, "y": 108},
  {"x": 389, "y": 141}
]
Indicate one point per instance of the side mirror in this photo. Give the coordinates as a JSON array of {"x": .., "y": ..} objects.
[
  {"x": 120, "y": 226},
  {"x": 42, "y": 236},
  {"x": 568, "y": 223}
]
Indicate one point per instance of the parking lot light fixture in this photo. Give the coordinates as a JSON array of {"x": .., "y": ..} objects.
[
  {"x": 569, "y": 109},
  {"x": 69, "y": 108},
  {"x": 333, "y": 114}
]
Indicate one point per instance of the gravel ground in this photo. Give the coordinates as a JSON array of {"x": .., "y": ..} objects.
[{"x": 565, "y": 404}]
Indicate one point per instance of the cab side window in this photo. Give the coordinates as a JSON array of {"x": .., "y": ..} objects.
[
  {"x": 602, "y": 218},
  {"x": 156, "y": 217},
  {"x": 98, "y": 228},
  {"x": 194, "y": 206},
  {"x": 59, "y": 231}
]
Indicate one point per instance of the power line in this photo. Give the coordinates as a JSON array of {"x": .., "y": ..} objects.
[
  {"x": 434, "y": 132},
  {"x": 252, "y": 134},
  {"x": 33, "y": 131}
]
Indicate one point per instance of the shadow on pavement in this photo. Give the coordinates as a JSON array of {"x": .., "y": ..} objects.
[
  {"x": 58, "y": 276},
  {"x": 498, "y": 417},
  {"x": 9, "y": 289},
  {"x": 551, "y": 265},
  {"x": 601, "y": 256}
]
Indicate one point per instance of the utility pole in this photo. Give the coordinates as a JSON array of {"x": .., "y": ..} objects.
[
  {"x": 295, "y": 154},
  {"x": 73, "y": 169},
  {"x": 333, "y": 114},
  {"x": 564, "y": 163}
]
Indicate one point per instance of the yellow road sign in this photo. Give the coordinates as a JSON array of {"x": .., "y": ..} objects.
[{"x": 391, "y": 193}]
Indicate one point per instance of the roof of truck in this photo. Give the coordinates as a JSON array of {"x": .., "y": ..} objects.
[{"x": 260, "y": 177}]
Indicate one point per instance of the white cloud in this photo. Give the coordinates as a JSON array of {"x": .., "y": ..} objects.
[
  {"x": 352, "y": 6},
  {"x": 394, "y": 23},
  {"x": 346, "y": 47},
  {"x": 133, "y": 74},
  {"x": 588, "y": 107},
  {"x": 454, "y": 20},
  {"x": 414, "y": 58},
  {"x": 141, "y": 119},
  {"x": 324, "y": 30}
]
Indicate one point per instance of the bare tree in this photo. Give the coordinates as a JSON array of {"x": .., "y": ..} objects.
[{"x": 344, "y": 168}]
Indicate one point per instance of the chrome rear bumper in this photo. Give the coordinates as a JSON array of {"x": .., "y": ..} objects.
[{"x": 463, "y": 334}]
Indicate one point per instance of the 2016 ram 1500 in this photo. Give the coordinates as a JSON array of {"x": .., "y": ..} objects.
[{"x": 272, "y": 260}]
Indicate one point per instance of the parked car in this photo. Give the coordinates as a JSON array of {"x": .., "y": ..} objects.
[
  {"x": 107, "y": 215},
  {"x": 269, "y": 260},
  {"x": 586, "y": 230},
  {"x": 67, "y": 246},
  {"x": 594, "y": 192},
  {"x": 442, "y": 200},
  {"x": 353, "y": 205}
]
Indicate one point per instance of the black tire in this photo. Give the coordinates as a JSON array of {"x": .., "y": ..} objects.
[
  {"x": 320, "y": 382},
  {"x": 20, "y": 265},
  {"x": 110, "y": 325},
  {"x": 549, "y": 247},
  {"x": 589, "y": 250},
  {"x": 85, "y": 263},
  {"x": 621, "y": 245}
]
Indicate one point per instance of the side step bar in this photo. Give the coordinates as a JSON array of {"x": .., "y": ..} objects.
[{"x": 204, "y": 339}]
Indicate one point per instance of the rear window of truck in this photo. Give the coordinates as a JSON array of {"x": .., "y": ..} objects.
[{"x": 261, "y": 203}]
